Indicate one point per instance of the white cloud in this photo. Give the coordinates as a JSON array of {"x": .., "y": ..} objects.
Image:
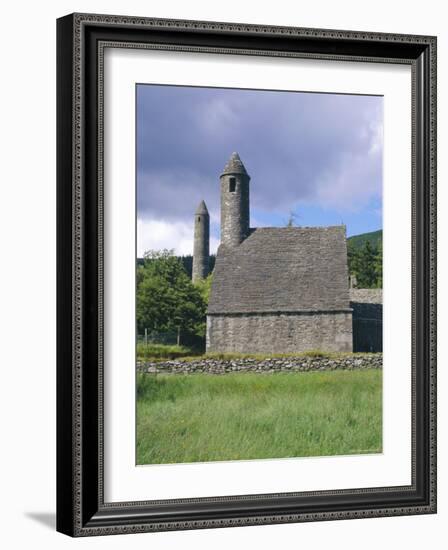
[{"x": 158, "y": 234}]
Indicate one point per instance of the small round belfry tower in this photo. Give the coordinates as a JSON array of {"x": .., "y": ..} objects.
[
  {"x": 201, "y": 246},
  {"x": 234, "y": 202}
]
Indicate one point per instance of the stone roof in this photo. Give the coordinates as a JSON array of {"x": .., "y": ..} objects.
[
  {"x": 202, "y": 208},
  {"x": 282, "y": 269},
  {"x": 234, "y": 166}
]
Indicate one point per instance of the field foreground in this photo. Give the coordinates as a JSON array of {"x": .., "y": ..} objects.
[{"x": 201, "y": 418}]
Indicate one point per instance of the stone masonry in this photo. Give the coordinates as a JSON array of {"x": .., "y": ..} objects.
[
  {"x": 234, "y": 202},
  {"x": 201, "y": 250},
  {"x": 280, "y": 332},
  {"x": 268, "y": 365}
]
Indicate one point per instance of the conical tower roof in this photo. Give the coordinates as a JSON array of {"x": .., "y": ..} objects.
[
  {"x": 202, "y": 208},
  {"x": 234, "y": 166}
]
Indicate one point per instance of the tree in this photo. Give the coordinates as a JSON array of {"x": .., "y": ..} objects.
[
  {"x": 352, "y": 259},
  {"x": 364, "y": 266},
  {"x": 205, "y": 286},
  {"x": 378, "y": 265},
  {"x": 167, "y": 300}
]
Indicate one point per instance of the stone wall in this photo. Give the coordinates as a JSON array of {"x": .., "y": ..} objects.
[
  {"x": 280, "y": 332},
  {"x": 367, "y": 307},
  {"x": 266, "y": 366},
  {"x": 366, "y": 295},
  {"x": 234, "y": 209}
]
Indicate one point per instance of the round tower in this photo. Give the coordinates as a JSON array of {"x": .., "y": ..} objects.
[
  {"x": 234, "y": 202},
  {"x": 201, "y": 247}
]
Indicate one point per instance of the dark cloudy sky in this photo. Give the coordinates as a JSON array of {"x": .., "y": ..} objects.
[{"x": 316, "y": 155}]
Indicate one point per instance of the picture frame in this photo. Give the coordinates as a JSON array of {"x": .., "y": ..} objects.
[{"x": 81, "y": 506}]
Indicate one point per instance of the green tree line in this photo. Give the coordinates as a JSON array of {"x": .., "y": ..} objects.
[
  {"x": 366, "y": 264},
  {"x": 167, "y": 300}
]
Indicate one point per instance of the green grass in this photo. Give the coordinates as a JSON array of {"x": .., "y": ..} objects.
[
  {"x": 200, "y": 418},
  {"x": 162, "y": 352}
]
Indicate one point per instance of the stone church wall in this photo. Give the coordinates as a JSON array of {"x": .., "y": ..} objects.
[{"x": 280, "y": 332}]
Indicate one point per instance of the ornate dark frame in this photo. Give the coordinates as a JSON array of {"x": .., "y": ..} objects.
[{"x": 81, "y": 39}]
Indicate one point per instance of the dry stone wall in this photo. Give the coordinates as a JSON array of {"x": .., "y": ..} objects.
[{"x": 266, "y": 366}]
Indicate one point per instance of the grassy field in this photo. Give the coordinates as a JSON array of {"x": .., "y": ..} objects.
[
  {"x": 162, "y": 352},
  {"x": 200, "y": 418}
]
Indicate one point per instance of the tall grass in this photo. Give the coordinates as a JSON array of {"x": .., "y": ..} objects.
[
  {"x": 151, "y": 352},
  {"x": 200, "y": 418},
  {"x": 161, "y": 352}
]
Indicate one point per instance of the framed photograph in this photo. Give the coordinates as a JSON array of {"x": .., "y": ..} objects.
[{"x": 246, "y": 274}]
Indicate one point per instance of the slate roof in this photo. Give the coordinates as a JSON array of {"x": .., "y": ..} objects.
[{"x": 282, "y": 270}]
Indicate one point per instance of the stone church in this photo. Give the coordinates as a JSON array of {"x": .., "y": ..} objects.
[{"x": 274, "y": 290}]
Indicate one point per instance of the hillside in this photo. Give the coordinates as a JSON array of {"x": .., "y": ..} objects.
[{"x": 374, "y": 237}]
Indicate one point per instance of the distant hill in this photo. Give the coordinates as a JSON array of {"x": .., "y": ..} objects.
[{"x": 357, "y": 241}]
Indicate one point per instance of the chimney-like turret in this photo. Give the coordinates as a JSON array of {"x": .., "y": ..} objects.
[
  {"x": 201, "y": 247},
  {"x": 234, "y": 202}
]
